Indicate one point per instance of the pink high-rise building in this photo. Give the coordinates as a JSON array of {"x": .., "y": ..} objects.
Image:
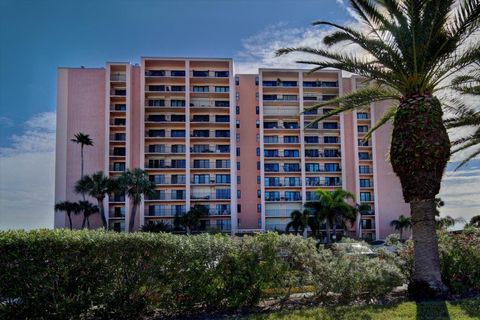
[{"x": 240, "y": 145}]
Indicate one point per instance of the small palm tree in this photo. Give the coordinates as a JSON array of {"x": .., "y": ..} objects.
[
  {"x": 135, "y": 183},
  {"x": 475, "y": 222},
  {"x": 83, "y": 140},
  {"x": 97, "y": 186},
  {"x": 158, "y": 226},
  {"x": 401, "y": 224},
  {"x": 410, "y": 50},
  {"x": 191, "y": 219},
  {"x": 87, "y": 209},
  {"x": 299, "y": 221},
  {"x": 69, "y": 208}
]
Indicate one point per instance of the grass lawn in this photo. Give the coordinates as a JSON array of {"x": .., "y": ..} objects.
[{"x": 438, "y": 310}]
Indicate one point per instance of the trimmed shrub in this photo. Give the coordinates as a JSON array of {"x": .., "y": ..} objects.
[{"x": 63, "y": 274}]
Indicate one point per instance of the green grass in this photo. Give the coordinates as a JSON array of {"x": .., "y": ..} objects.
[{"x": 438, "y": 310}]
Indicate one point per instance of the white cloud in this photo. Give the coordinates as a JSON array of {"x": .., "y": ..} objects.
[
  {"x": 6, "y": 122},
  {"x": 27, "y": 175}
]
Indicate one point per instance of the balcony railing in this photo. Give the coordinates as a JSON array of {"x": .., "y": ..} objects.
[
  {"x": 118, "y": 77},
  {"x": 210, "y": 196}
]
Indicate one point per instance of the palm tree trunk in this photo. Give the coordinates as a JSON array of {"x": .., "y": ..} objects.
[
  {"x": 360, "y": 226},
  {"x": 427, "y": 263},
  {"x": 69, "y": 215},
  {"x": 102, "y": 213},
  {"x": 84, "y": 221},
  {"x": 81, "y": 159},
  {"x": 328, "y": 231},
  {"x": 401, "y": 234},
  {"x": 419, "y": 153},
  {"x": 187, "y": 229},
  {"x": 131, "y": 223},
  {"x": 88, "y": 222},
  {"x": 334, "y": 237}
]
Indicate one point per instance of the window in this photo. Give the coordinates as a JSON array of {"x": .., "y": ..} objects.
[
  {"x": 259, "y": 193},
  {"x": 237, "y": 110},
  {"x": 256, "y": 96},
  {"x": 365, "y": 183},
  {"x": 221, "y": 118},
  {"x": 364, "y": 169},
  {"x": 239, "y": 208},
  {"x": 257, "y": 124},
  {"x": 363, "y": 143},
  {"x": 256, "y": 80},
  {"x": 238, "y": 152},
  {"x": 222, "y": 193},
  {"x": 257, "y": 110},
  {"x": 270, "y": 124},
  {"x": 237, "y": 81},
  {"x": 259, "y": 209},
  {"x": 223, "y": 148},
  {"x": 311, "y": 153},
  {"x": 238, "y": 165},
  {"x": 200, "y": 73},
  {"x": 362, "y": 128},
  {"x": 330, "y": 140},
  {"x": 238, "y": 124},
  {"x": 332, "y": 167},
  {"x": 330, "y": 125},
  {"x": 290, "y": 139},
  {"x": 311, "y": 139},
  {"x": 362, "y": 115},
  {"x": 332, "y": 181},
  {"x": 222, "y": 164},
  {"x": 364, "y": 156},
  {"x": 153, "y": 103},
  {"x": 291, "y": 153},
  {"x": 293, "y": 196},
  {"x": 291, "y": 167},
  {"x": 237, "y": 96},
  {"x": 156, "y": 133},
  {"x": 292, "y": 181},
  {"x": 201, "y": 133},
  {"x": 272, "y": 182},
  {"x": 238, "y": 137},
  {"x": 272, "y": 196},
  {"x": 201, "y": 179},
  {"x": 238, "y": 180},
  {"x": 177, "y": 118},
  {"x": 266, "y": 152},
  {"x": 258, "y": 179},
  {"x": 258, "y": 165},
  {"x": 178, "y": 163},
  {"x": 222, "y": 133},
  {"x": 222, "y": 74},
  {"x": 366, "y": 196},
  {"x": 201, "y": 164},
  {"x": 258, "y": 137},
  {"x": 177, "y": 133},
  {"x": 312, "y": 167},
  {"x": 272, "y": 167},
  {"x": 330, "y": 153},
  {"x": 177, "y": 73},
  {"x": 290, "y": 125},
  {"x": 222, "y": 178},
  {"x": 221, "y": 89},
  {"x": 177, "y": 103},
  {"x": 239, "y": 194},
  {"x": 220, "y": 103},
  {"x": 200, "y": 88},
  {"x": 270, "y": 139}
]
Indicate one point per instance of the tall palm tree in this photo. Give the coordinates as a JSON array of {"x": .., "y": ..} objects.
[
  {"x": 401, "y": 224},
  {"x": 97, "y": 186},
  {"x": 83, "y": 140},
  {"x": 87, "y": 209},
  {"x": 135, "y": 183},
  {"x": 299, "y": 221},
  {"x": 69, "y": 208},
  {"x": 413, "y": 48},
  {"x": 191, "y": 219}
]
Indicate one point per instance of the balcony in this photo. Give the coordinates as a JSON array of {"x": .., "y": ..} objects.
[
  {"x": 320, "y": 84},
  {"x": 164, "y": 88},
  {"x": 118, "y": 107},
  {"x": 280, "y": 213},
  {"x": 118, "y": 92},
  {"x": 209, "y": 74},
  {"x": 281, "y": 98},
  {"x": 165, "y": 73},
  {"x": 323, "y": 183},
  {"x": 119, "y": 77},
  {"x": 117, "y": 167},
  {"x": 205, "y": 164},
  {"x": 174, "y": 195},
  {"x": 163, "y": 180},
  {"x": 210, "y": 196}
]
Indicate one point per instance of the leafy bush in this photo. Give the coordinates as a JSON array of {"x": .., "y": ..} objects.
[
  {"x": 97, "y": 274},
  {"x": 459, "y": 259},
  {"x": 392, "y": 239}
]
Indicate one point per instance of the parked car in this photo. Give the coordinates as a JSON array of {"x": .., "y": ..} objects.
[{"x": 356, "y": 249}]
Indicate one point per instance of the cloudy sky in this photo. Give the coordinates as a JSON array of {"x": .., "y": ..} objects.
[{"x": 36, "y": 37}]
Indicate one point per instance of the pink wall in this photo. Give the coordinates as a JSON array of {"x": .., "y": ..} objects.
[
  {"x": 248, "y": 158},
  {"x": 81, "y": 108},
  {"x": 350, "y": 183},
  {"x": 389, "y": 196}
]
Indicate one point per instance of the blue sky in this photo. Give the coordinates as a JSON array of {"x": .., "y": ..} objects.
[{"x": 37, "y": 36}]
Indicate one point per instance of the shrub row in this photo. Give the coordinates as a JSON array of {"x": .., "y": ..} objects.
[{"x": 95, "y": 274}]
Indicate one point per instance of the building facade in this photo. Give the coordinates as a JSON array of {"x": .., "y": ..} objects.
[{"x": 245, "y": 146}]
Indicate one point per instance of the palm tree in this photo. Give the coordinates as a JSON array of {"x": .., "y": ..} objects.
[
  {"x": 332, "y": 208},
  {"x": 299, "y": 221},
  {"x": 69, "y": 208},
  {"x": 135, "y": 183},
  {"x": 97, "y": 186},
  {"x": 191, "y": 219},
  {"x": 83, "y": 140},
  {"x": 413, "y": 48},
  {"x": 475, "y": 222},
  {"x": 401, "y": 224},
  {"x": 156, "y": 227},
  {"x": 87, "y": 208},
  {"x": 448, "y": 221}
]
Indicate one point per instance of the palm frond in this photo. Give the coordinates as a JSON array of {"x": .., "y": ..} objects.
[{"x": 387, "y": 116}]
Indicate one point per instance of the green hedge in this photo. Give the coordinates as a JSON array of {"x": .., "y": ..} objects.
[{"x": 64, "y": 274}]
